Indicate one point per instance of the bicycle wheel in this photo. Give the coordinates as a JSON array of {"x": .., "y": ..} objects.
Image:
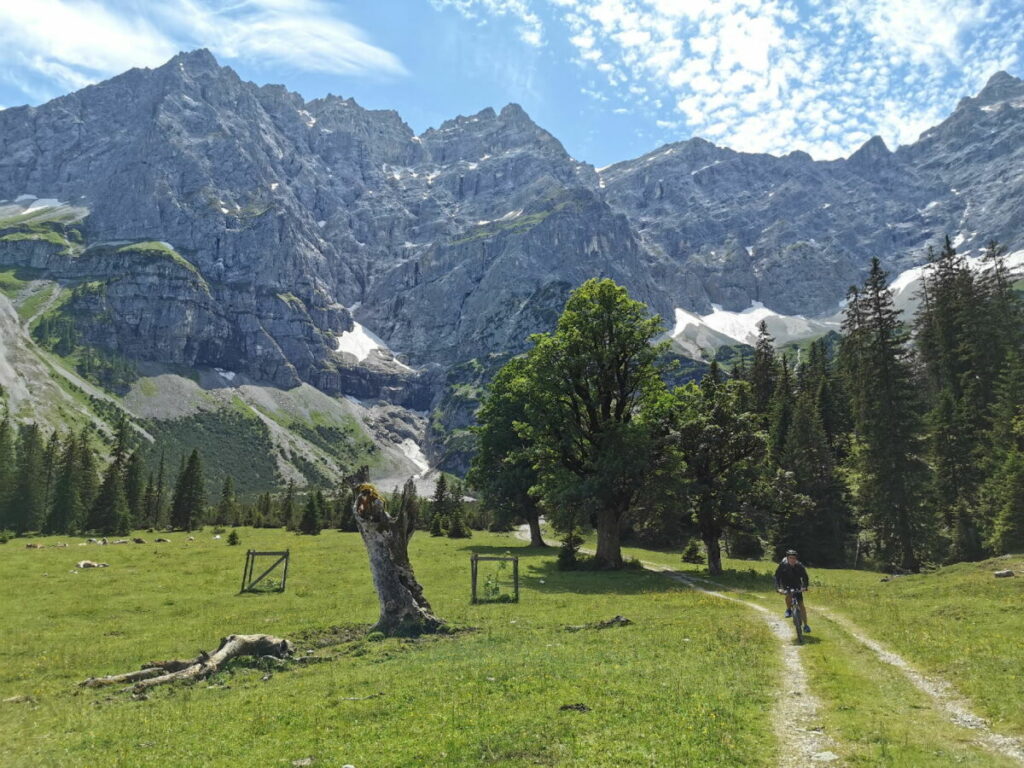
[{"x": 798, "y": 621}]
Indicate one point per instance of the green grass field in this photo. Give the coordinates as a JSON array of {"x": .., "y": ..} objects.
[
  {"x": 690, "y": 682},
  {"x": 958, "y": 624}
]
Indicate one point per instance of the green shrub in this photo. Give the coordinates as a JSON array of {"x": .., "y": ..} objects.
[{"x": 234, "y": 539}]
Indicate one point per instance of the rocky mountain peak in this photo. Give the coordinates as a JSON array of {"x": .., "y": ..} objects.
[
  {"x": 873, "y": 152},
  {"x": 194, "y": 62}
]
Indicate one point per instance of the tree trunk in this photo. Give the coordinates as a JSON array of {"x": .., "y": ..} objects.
[
  {"x": 536, "y": 540},
  {"x": 714, "y": 555},
  {"x": 609, "y": 551},
  {"x": 204, "y": 665},
  {"x": 403, "y": 608}
]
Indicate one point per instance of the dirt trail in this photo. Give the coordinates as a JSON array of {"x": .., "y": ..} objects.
[
  {"x": 942, "y": 693},
  {"x": 796, "y": 716}
]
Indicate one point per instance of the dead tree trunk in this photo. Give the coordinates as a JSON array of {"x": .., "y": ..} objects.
[
  {"x": 403, "y": 608},
  {"x": 204, "y": 665}
]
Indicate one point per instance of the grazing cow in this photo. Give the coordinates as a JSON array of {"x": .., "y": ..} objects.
[
  {"x": 191, "y": 538},
  {"x": 91, "y": 564},
  {"x": 33, "y": 546},
  {"x": 139, "y": 541},
  {"x": 163, "y": 541}
]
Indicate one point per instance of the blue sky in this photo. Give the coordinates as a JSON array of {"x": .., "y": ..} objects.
[{"x": 611, "y": 79}]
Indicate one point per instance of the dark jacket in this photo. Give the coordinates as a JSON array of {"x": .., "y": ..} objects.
[{"x": 791, "y": 576}]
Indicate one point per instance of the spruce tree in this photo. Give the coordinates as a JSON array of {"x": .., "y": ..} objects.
[
  {"x": 87, "y": 479},
  {"x": 763, "y": 370},
  {"x": 1005, "y": 494},
  {"x": 189, "y": 504},
  {"x": 457, "y": 528},
  {"x": 26, "y": 510},
  {"x": 889, "y": 476},
  {"x": 109, "y": 515},
  {"x": 820, "y": 530},
  {"x": 780, "y": 410},
  {"x": 67, "y": 512},
  {"x": 439, "y": 507},
  {"x": 227, "y": 507},
  {"x": 289, "y": 514},
  {"x": 8, "y": 470},
  {"x": 134, "y": 489},
  {"x": 311, "y": 522}
]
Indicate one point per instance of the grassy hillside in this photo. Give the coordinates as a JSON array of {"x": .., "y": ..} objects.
[{"x": 687, "y": 683}]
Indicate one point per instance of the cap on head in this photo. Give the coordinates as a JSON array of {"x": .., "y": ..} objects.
[{"x": 791, "y": 552}]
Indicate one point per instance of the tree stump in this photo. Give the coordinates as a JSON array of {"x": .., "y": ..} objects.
[{"x": 403, "y": 608}]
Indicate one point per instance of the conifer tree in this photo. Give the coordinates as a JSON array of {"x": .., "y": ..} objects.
[
  {"x": 134, "y": 489},
  {"x": 1004, "y": 493},
  {"x": 158, "y": 511},
  {"x": 311, "y": 522},
  {"x": 8, "y": 470},
  {"x": 289, "y": 514},
  {"x": 818, "y": 531},
  {"x": 762, "y": 370},
  {"x": 149, "y": 503},
  {"x": 227, "y": 507},
  {"x": 780, "y": 411},
  {"x": 439, "y": 512},
  {"x": 457, "y": 528},
  {"x": 889, "y": 476},
  {"x": 189, "y": 504},
  {"x": 87, "y": 479},
  {"x": 67, "y": 512},
  {"x": 26, "y": 509},
  {"x": 109, "y": 513},
  {"x": 51, "y": 459}
]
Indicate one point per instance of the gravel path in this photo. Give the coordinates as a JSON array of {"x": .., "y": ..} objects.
[
  {"x": 941, "y": 692},
  {"x": 796, "y": 718}
]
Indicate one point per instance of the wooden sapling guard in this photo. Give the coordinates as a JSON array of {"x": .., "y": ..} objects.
[
  {"x": 248, "y": 582},
  {"x": 474, "y": 564}
]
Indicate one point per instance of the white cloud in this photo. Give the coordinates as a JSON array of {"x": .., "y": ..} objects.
[
  {"x": 56, "y": 45},
  {"x": 779, "y": 75},
  {"x": 530, "y": 28}
]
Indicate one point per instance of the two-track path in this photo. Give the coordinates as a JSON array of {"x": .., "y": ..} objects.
[
  {"x": 797, "y": 705},
  {"x": 796, "y": 717}
]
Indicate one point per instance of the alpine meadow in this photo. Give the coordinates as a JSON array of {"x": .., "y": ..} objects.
[{"x": 328, "y": 441}]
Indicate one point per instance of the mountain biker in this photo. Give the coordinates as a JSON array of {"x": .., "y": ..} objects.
[{"x": 791, "y": 574}]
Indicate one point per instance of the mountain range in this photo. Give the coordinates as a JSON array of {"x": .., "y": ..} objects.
[{"x": 319, "y": 266}]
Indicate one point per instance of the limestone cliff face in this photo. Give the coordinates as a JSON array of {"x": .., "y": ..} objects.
[{"x": 283, "y": 219}]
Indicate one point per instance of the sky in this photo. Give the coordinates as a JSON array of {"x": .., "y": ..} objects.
[{"x": 611, "y": 79}]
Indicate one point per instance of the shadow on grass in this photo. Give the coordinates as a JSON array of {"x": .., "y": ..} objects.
[{"x": 538, "y": 564}]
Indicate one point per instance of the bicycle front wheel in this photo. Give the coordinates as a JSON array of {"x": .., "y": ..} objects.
[{"x": 798, "y": 621}]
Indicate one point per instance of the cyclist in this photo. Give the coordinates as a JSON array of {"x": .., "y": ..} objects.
[{"x": 791, "y": 574}]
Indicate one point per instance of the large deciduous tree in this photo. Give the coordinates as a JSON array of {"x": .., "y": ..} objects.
[
  {"x": 721, "y": 449},
  {"x": 502, "y": 470},
  {"x": 590, "y": 381}
]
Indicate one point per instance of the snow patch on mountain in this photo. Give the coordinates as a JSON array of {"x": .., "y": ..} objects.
[{"x": 700, "y": 335}]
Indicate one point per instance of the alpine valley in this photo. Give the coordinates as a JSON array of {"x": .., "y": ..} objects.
[{"x": 301, "y": 288}]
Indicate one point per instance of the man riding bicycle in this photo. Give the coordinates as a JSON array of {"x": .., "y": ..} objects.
[{"x": 791, "y": 575}]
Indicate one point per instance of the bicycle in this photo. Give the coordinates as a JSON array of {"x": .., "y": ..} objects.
[{"x": 797, "y": 608}]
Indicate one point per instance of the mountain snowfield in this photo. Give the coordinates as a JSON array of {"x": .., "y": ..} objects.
[{"x": 698, "y": 336}]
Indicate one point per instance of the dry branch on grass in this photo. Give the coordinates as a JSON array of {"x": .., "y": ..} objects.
[{"x": 205, "y": 664}]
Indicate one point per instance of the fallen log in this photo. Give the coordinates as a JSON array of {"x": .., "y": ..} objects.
[{"x": 205, "y": 664}]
